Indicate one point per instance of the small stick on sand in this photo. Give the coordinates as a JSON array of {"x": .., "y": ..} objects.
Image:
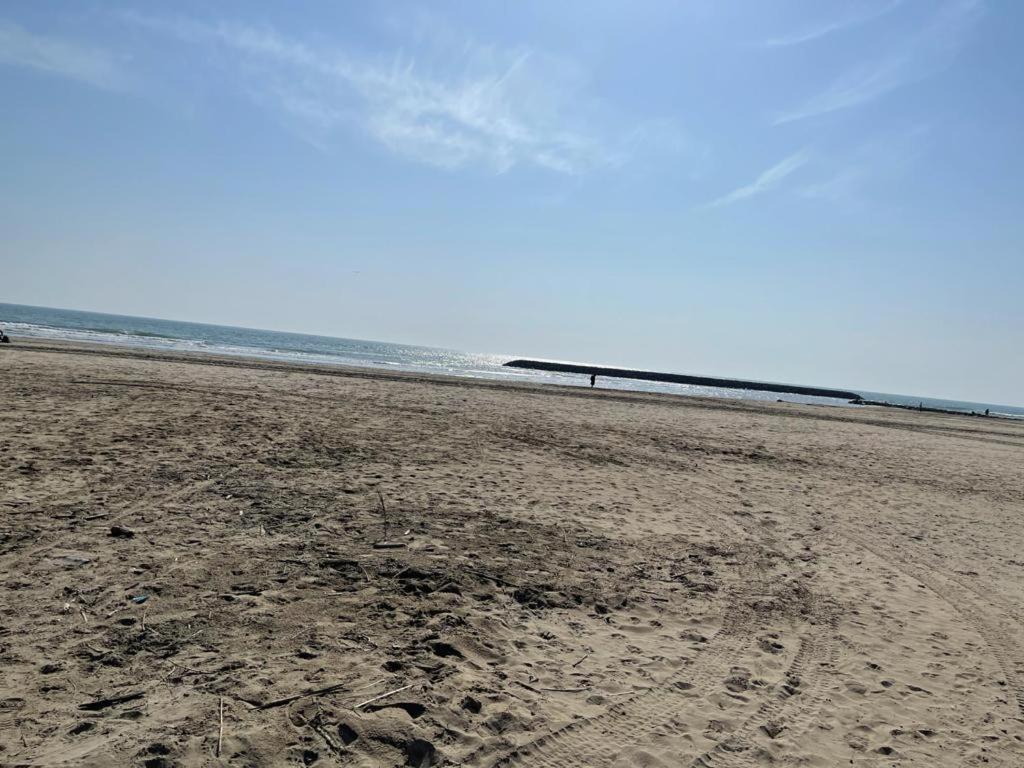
[
  {"x": 220, "y": 734},
  {"x": 495, "y": 579},
  {"x": 383, "y": 511},
  {"x": 585, "y": 657},
  {"x": 565, "y": 690},
  {"x": 384, "y": 543},
  {"x": 303, "y": 695},
  {"x": 389, "y": 545},
  {"x": 98, "y": 704},
  {"x": 384, "y": 695},
  {"x": 316, "y": 726},
  {"x": 527, "y": 687},
  {"x": 370, "y": 685}
]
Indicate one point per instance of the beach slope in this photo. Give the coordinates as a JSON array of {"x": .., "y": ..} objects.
[{"x": 227, "y": 562}]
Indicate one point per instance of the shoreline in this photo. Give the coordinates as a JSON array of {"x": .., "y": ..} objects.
[
  {"x": 341, "y": 370},
  {"x": 929, "y": 409},
  {"x": 229, "y": 360},
  {"x": 44, "y": 325}
]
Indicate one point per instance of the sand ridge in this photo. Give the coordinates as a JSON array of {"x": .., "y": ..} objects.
[{"x": 587, "y": 578}]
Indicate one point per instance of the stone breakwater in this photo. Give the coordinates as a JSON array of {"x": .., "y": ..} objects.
[{"x": 679, "y": 378}]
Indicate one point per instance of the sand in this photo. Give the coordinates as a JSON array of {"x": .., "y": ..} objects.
[{"x": 578, "y": 578}]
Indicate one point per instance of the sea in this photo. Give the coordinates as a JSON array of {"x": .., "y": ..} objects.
[{"x": 20, "y": 321}]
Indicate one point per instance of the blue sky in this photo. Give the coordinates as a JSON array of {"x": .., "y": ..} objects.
[{"x": 814, "y": 192}]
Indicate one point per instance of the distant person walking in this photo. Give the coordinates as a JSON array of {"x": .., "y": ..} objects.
[
  {"x": 4, "y": 338},
  {"x": 593, "y": 380}
]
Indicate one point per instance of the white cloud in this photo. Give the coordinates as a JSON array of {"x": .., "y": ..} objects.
[
  {"x": 838, "y": 187},
  {"x": 828, "y": 28},
  {"x": 880, "y": 162},
  {"x": 766, "y": 182},
  {"x": 483, "y": 107},
  {"x": 928, "y": 52},
  {"x": 55, "y": 56}
]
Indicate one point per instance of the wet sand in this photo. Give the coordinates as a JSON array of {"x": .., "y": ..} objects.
[{"x": 576, "y": 577}]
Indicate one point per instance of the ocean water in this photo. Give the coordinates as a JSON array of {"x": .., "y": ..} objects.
[{"x": 147, "y": 333}]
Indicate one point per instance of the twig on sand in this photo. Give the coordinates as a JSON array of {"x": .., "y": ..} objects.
[
  {"x": 384, "y": 543},
  {"x": 98, "y": 704},
  {"x": 220, "y": 733},
  {"x": 319, "y": 729},
  {"x": 584, "y": 658},
  {"x": 370, "y": 685},
  {"x": 550, "y": 690},
  {"x": 384, "y": 695},
  {"x": 384, "y": 512},
  {"x": 495, "y": 579},
  {"x": 303, "y": 695}
]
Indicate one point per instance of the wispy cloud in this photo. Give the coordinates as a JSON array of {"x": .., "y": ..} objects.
[
  {"x": 766, "y": 182},
  {"x": 880, "y": 162},
  {"x": 96, "y": 67},
  {"x": 489, "y": 108},
  {"x": 840, "y": 186},
  {"x": 927, "y": 53},
  {"x": 838, "y": 25}
]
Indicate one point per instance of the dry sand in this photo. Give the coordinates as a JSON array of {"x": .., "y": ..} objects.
[{"x": 587, "y": 578}]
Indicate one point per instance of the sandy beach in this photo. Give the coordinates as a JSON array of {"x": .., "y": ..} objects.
[{"x": 197, "y": 571}]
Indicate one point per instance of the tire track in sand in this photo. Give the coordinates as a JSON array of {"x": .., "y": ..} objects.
[
  {"x": 795, "y": 705},
  {"x": 965, "y": 601},
  {"x": 597, "y": 741}
]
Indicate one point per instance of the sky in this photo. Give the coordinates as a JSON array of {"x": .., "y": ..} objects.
[{"x": 822, "y": 193}]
